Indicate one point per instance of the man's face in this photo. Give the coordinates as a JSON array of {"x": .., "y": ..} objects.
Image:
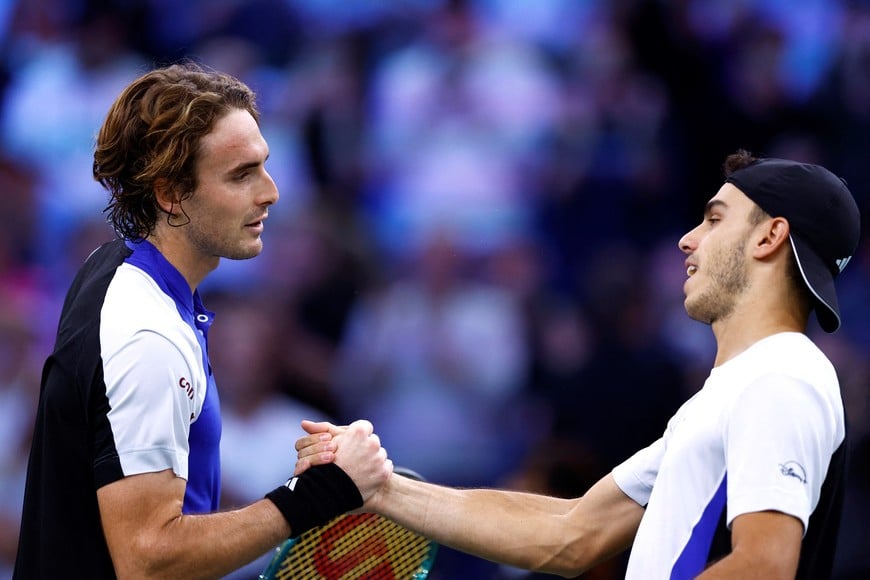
[
  {"x": 717, "y": 256},
  {"x": 234, "y": 191}
]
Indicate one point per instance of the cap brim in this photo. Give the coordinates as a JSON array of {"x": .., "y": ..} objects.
[{"x": 820, "y": 281}]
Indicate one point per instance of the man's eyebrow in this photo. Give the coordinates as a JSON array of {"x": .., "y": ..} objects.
[
  {"x": 712, "y": 205},
  {"x": 244, "y": 166}
]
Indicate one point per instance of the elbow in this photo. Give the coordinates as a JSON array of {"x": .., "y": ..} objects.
[
  {"x": 564, "y": 567},
  {"x": 145, "y": 557},
  {"x": 570, "y": 559},
  {"x": 573, "y": 566},
  {"x": 582, "y": 550}
]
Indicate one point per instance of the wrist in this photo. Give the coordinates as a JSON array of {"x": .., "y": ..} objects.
[
  {"x": 385, "y": 497},
  {"x": 315, "y": 497}
]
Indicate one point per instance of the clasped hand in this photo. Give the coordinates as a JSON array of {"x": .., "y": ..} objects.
[{"x": 355, "y": 448}]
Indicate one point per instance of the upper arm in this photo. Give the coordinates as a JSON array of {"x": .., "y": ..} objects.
[
  {"x": 763, "y": 545},
  {"x": 768, "y": 535},
  {"x": 135, "y": 511},
  {"x": 149, "y": 537},
  {"x": 610, "y": 519}
]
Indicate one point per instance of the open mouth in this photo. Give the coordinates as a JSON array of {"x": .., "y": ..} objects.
[{"x": 258, "y": 224}]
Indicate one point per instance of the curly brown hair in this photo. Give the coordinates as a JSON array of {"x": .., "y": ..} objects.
[
  {"x": 735, "y": 162},
  {"x": 153, "y": 132},
  {"x": 738, "y": 160}
]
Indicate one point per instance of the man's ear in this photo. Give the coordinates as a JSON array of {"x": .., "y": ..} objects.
[
  {"x": 773, "y": 236},
  {"x": 165, "y": 195}
]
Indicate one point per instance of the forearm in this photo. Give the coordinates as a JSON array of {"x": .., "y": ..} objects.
[
  {"x": 203, "y": 546},
  {"x": 528, "y": 531}
]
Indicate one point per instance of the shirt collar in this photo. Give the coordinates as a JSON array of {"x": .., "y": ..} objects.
[{"x": 148, "y": 258}]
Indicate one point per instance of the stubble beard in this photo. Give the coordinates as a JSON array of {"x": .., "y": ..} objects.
[
  {"x": 220, "y": 245},
  {"x": 728, "y": 279}
]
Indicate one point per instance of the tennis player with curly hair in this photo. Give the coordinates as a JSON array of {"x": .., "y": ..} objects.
[{"x": 124, "y": 474}]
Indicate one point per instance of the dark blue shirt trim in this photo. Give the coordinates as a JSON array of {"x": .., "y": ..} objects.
[
  {"x": 202, "y": 494},
  {"x": 695, "y": 555}
]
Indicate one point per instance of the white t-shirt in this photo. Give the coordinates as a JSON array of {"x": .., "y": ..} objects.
[{"x": 758, "y": 436}]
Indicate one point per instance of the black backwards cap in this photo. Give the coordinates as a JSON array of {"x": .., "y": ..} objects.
[{"x": 824, "y": 222}]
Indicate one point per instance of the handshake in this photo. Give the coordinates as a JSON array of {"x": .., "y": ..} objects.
[
  {"x": 355, "y": 448},
  {"x": 339, "y": 470}
]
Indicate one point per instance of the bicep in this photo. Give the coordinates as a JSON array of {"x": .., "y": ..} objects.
[
  {"x": 135, "y": 511},
  {"x": 611, "y": 519},
  {"x": 764, "y": 544}
]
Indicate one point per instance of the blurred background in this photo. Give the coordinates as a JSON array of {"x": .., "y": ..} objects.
[{"x": 476, "y": 242}]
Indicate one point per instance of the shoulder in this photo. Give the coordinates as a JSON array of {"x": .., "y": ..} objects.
[
  {"x": 135, "y": 295},
  {"x": 790, "y": 361},
  {"x": 793, "y": 391},
  {"x": 793, "y": 350},
  {"x": 135, "y": 304}
]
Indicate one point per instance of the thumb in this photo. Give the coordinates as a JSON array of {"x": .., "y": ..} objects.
[{"x": 314, "y": 427}]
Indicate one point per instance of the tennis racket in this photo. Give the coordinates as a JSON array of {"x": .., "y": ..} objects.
[{"x": 355, "y": 546}]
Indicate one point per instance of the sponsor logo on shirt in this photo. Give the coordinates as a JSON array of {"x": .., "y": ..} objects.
[
  {"x": 185, "y": 384},
  {"x": 793, "y": 469}
]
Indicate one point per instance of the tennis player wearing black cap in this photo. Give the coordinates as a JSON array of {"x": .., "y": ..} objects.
[{"x": 747, "y": 479}]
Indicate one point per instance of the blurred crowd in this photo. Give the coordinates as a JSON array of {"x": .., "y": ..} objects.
[{"x": 476, "y": 242}]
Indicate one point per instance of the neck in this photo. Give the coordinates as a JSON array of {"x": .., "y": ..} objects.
[
  {"x": 178, "y": 253},
  {"x": 742, "y": 329}
]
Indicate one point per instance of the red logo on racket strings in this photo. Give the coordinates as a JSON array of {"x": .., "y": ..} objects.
[{"x": 372, "y": 546}]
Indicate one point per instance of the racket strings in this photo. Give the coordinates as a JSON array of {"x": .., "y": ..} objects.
[{"x": 358, "y": 547}]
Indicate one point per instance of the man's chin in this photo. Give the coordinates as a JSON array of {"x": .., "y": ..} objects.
[
  {"x": 701, "y": 317},
  {"x": 245, "y": 253}
]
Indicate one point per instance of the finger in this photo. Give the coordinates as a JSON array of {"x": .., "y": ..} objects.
[
  {"x": 301, "y": 466},
  {"x": 311, "y": 440},
  {"x": 308, "y": 461},
  {"x": 317, "y": 449},
  {"x": 313, "y": 427}
]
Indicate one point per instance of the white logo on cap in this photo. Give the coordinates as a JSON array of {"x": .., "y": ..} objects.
[{"x": 841, "y": 263}]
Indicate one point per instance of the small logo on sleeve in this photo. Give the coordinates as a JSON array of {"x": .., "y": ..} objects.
[
  {"x": 186, "y": 387},
  {"x": 793, "y": 469}
]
